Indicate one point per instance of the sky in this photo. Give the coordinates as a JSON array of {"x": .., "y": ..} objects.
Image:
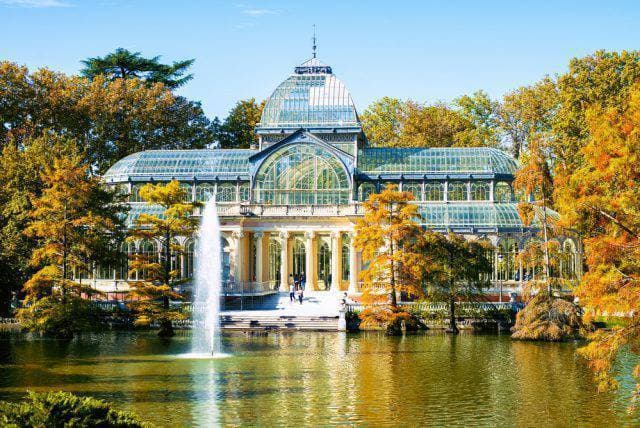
[{"x": 424, "y": 50}]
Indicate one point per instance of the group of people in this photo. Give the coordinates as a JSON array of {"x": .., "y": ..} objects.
[{"x": 296, "y": 287}]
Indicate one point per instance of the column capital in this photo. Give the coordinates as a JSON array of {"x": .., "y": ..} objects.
[
  {"x": 258, "y": 235},
  {"x": 310, "y": 234},
  {"x": 284, "y": 234},
  {"x": 238, "y": 234},
  {"x": 335, "y": 234}
]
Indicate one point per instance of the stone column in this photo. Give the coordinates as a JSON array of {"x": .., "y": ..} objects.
[
  {"x": 353, "y": 265},
  {"x": 284, "y": 261},
  {"x": 261, "y": 238},
  {"x": 336, "y": 260},
  {"x": 310, "y": 262},
  {"x": 239, "y": 257}
]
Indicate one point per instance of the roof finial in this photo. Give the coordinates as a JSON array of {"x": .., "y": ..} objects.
[{"x": 314, "y": 40}]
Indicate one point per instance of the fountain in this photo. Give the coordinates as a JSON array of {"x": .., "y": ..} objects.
[{"x": 207, "y": 283}]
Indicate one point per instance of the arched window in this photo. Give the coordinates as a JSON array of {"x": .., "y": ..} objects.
[
  {"x": 480, "y": 191},
  {"x": 366, "y": 189},
  {"x": 302, "y": 174},
  {"x": 503, "y": 192},
  {"x": 569, "y": 260},
  {"x": 457, "y": 191},
  {"x": 275, "y": 251},
  {"x": 507, "y": 262},
  {"x": 434, "y": 191},
  {"x": 204, "y": 191},
  {"x": 299, "y": 257},
  {"x": 135, "y": 193},
  {"x": 226, "y": 259},
  {"x": 324, "y": 266},
  {"x": 226, "y": 193},
  {"x": 345, "y": 259},
  {"x": 244, "y": 192},
  {"x": 127, "y": 250},
  {"x": 149, "y": 250},
  {"x": 414, "y": 188},
  {"x": 188, "y": 190},
  {"x": 189, "y": 252}
]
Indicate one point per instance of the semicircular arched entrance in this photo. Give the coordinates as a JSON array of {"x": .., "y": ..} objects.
[{"x": 302, "y": 174}]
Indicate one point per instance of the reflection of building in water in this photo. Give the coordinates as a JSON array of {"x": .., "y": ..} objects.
[{"x": 288, "y": 206}]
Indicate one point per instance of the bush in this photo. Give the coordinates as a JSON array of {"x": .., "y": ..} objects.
[
  {"x": 61, "y": 409},
  {"x": 53, "y": 317},
  {"x": 549, "y": 318},
  {"x": 388, "y": 318}
]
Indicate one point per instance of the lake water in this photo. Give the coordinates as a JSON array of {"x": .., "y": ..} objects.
[{"x": 295, "y": 379}]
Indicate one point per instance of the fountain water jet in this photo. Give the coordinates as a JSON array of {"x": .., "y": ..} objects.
[{"x": 207, "y": 284}]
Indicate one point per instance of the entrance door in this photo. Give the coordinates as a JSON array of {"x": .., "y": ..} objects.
[{"x": 324, "y": 266}]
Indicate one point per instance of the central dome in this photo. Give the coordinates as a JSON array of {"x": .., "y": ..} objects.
[{"x": 311, "y": 97}]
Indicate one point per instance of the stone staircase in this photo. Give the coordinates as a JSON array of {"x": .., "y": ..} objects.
[
  {"x": 248, "y": 321},
  {"x": 318, "y": 312}
]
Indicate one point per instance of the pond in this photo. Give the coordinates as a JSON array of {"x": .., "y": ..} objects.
[{"x": 294, "y": 379}]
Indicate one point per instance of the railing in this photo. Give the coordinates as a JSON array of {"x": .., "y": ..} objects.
[
  {"x": 234, "y": 210},
  {"x": 443, "y": 306},
  {"x": 249, "y": 288}
]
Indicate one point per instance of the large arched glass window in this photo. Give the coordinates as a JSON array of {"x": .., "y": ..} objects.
[
  {"x": 226, "y": 193},
  {"x": 507, "y": 260},
  {"x": 457, "y": 191},
  {"x": 414, "y": 188},
  {"x": 503, "y": 192},
  {"x": 345, "y": 259},
  {"x": 188, "y": 191},
  {"x": 148, "y": 250},
  {"x": 434, "y": 191},
  {"x": 480, "y": 191},
  {"x": 366, "y": 190},
  {"x": 135, "y": 193},
  {"x": 204, "y": 191},
  {"x": 302, "y": 174}
]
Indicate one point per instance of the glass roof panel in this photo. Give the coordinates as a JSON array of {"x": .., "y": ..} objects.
[
  {"x": 473, "y": 215},
  {"x": 312, "y": 96},
  {"x": 437, "y": 160},
  {"x": 179, "y": 164}
]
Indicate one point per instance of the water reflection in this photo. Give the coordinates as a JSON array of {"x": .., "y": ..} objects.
[{"x": 322, "y": 379}]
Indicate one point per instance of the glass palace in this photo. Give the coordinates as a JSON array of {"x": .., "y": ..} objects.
[{"x": 289, "y": 206}]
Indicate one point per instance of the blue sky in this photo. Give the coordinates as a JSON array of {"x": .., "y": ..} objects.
[{"x": 424, "y": 50}]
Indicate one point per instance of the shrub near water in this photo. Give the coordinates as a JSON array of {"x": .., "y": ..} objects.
[
  {"x": 61, "y": 409},
  {"x": 552, "y": 319}
]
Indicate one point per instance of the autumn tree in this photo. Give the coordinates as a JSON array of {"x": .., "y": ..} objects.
[
  {"x": 600, "y": 199},
  {"x": 237, "y": 131},
  {"x": 76, "y": 222},
  {"x": 389, "y": 237},
  {"x": 110, "y": 119},
  {"x": 390, "y": 122},
  {"x": 455, "y": 270},
  {"x": 158, "y": 280},
  {"x": 527, "y": 113},
  {"x": 124, "y": 64}
]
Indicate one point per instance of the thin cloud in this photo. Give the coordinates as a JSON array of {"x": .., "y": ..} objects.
[
  {"x": 34, "y": 3},
  {"x": 260, "y": 12},
  {"x": 245, "y": 25}
]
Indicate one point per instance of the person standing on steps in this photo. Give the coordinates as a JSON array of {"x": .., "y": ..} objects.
[
  {"x": 300, "y": 295},
  {"x": 292, "y": 293}
]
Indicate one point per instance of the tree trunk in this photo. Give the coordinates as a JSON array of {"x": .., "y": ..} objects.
[
  {"x": 547, "y": 270},
  {"x": 166, "y": 326},
  {"x": 453, "y": 328}
]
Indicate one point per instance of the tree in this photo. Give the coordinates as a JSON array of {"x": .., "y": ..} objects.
[
  {"x": 76, "y": 222},
  {"x": 109, "y": 119},
  {"x": 389, "y": 237},
  {"x": 390, "y": 122},
  {"x": 382, "y": 121},
  {"x": 483, "y": 113},
  {"x": 157, "y": 286},
  {"x": 456, "y": 270},
  {"x": 238, "y": 129},
  {"x": 600, "y": 199},
  {"x": 527, "y": 113},
  {"x": 123, "y": 64}
]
